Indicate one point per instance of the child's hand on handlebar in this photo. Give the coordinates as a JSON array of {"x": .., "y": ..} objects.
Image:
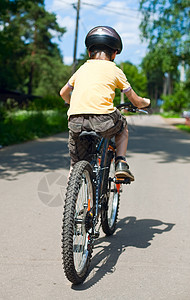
[
  {"x": 148, "y": 107},
  {"x": 147, "y": 103}
]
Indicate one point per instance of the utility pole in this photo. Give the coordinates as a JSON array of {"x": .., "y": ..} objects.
[
  {"x": 122, "y": 94},
  {"x": 76, "y": 35}
]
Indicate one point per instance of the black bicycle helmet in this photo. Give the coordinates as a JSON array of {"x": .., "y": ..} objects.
[{"x": 104, "y": 35}]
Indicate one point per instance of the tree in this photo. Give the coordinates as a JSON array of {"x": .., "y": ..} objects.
[
  {"x": 167, "y": 23},
  {"x": 166, "y": 26},
  {"x": 158, "y": 64},
  {"x": 136, "y": 78},
  {"x": 27, "y": 48}
]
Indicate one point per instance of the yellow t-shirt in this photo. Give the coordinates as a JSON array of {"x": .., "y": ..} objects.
[{"x": 94, "y": 85}]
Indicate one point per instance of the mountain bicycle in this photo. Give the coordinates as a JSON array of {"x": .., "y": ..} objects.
[{"x": 92, "y": 201}]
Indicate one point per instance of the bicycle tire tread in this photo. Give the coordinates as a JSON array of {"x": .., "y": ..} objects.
[
  {"x": 73, "y": 188},
  {"x": 104, "y": 217}
]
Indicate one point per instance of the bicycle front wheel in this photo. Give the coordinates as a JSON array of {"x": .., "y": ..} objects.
[
  {"x": 110, "y": 205},
  {"x": 77, "y": 222}
]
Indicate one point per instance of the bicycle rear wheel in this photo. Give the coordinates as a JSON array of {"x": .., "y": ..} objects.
[
  {"x": 110, "y": 205},
  {"x": 76, "y": 223}
]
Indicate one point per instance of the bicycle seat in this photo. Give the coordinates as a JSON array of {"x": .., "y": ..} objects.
[{"x": 89, "y": 134}]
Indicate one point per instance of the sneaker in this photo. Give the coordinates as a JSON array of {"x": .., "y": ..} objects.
[{"x": 122, "y": 170}]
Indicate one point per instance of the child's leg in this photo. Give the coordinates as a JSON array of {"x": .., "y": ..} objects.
[
  {"x": 121, "y": 141},
  {"x": 122, "y": 168}
]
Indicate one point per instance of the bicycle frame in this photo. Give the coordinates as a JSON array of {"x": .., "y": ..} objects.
[{"x": 100, "y": 172}]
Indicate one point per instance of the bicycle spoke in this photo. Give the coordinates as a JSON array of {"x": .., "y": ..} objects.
[
  {"x": 80, "y": 240},
  {"x": 111, "y": 205},
  {"x": 76, "y": 255}
]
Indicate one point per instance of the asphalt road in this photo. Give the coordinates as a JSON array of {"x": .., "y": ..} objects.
[{"x": 149, "y": 255}]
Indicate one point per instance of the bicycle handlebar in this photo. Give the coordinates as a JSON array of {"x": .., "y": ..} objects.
[{"x": 131, "y": 108}]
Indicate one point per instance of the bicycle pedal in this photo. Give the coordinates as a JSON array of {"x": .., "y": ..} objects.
[{"x": 122, "y": 180}]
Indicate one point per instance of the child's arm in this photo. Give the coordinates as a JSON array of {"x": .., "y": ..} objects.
[
  {"x": 137, "y": 100},
  {"x": 65, "y": 93}
]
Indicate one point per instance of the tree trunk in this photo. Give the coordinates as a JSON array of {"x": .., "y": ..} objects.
[
  {"x": 30, "y": 79},
  {"x": 31, "y": 74}
]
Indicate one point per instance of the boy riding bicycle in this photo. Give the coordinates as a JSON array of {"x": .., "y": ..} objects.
[{"x": 91, "y": 102}]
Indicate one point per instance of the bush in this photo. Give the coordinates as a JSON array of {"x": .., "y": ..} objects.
[
  {"x": 177, "y": 101},
  {"x": 43, "y": 117},
  {"x": 3, "y": 112},
  {"x": 22, "y": 126},
  {"x": 47, "y": 103}
]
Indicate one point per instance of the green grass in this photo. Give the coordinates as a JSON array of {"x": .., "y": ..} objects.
[
  {"x": 184, "y": 127},
  {"x": 26, "y": 125},
  {"x": 170, "y": 115},
  {"x": 176, "y": 115}
]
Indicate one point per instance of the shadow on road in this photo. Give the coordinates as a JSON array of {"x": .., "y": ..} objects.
[
  {"x": 130, "y": 233},
  {"x": 169, "y": 145},
  {"x": 37, "y": 156}
]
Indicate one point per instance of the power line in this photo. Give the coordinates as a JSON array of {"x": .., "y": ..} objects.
[
  {"x": 104, "y": 6},
  {"x": 110, "y": 9},
  {"x": 77, "y": 7}
]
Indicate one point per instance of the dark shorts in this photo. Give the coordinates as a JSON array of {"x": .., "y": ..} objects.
[{"x": 106, "y": 125}]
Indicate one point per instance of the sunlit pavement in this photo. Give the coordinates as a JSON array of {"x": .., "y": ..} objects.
[{"x": 148, "y": 256}]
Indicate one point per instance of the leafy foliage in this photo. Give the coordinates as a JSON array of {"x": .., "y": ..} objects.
[
  {"x": 166, "y": 27},
  {"x": 30, "y": 61},
  {"x": 177, "y": 101},
  {"x": 184, "y": 127},
  {"x": 48, "y": 102},
  {"x": 136, "y": 77},
  {"x": 22, "y": 126},
  {"x": 166, "y": 23}
]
